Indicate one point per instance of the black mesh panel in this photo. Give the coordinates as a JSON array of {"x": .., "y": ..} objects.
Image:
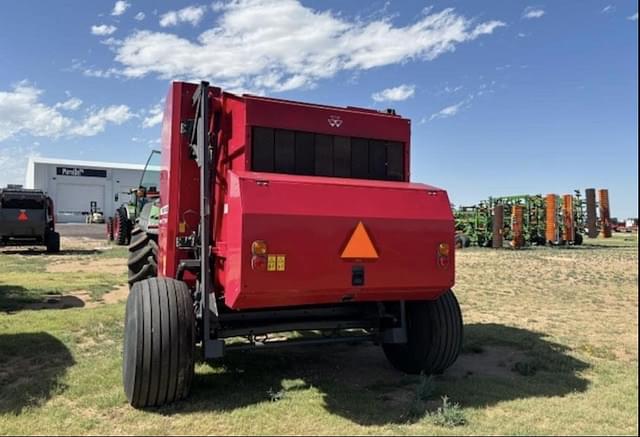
[{"x": 305, "y": 153}]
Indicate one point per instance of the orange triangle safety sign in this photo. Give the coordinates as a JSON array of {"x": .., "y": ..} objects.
[
  {"x": 23, "y": 216},
  {"x": 360, "y": 245}
]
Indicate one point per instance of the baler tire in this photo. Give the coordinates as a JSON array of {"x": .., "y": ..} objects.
[
  {"x": 123, "y": 228},
  {"x": 159, "y": 343},
  {"x": 136, "y": 230},
  {"x": 434, "y": 336}
]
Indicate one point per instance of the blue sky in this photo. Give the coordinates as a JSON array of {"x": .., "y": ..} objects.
[{"x": 506, "y": 97}]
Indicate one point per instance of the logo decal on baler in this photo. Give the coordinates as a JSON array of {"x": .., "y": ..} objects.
[
  {"x": 360, "y": 245},
  {"x": 334, "y": 121}
]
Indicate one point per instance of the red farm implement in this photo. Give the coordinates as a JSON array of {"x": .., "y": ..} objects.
[{"x": 280, "y": 216}]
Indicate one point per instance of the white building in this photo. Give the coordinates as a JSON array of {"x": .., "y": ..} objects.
[{"x": 74, "y": 184}]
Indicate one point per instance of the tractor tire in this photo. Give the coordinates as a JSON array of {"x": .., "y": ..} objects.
[
  {"x": 110, "y": 236},
  {"x": 123, "y": 228},
  {"x": 466, "y": 241},
  {"x": 462, "y": 241},
  {"x": 136, "y": 231},
  {"x": 577, "y": 239},
  {"x": 52, "y": 241},
  {"x": 434, "y": 336},
  {"x": 143, "y": 257},
  {"x": 159, "y": 343}
]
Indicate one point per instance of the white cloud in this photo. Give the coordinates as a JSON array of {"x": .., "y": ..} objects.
[
  {"x": 120, "y": 7},
  {"x": 217, "y": 6},
  {"x": 97, "y": 120},
  {"x": 70, "y": 105},
  {"x": 633, "y": 17},
  {"x": 103, "y": 30},
  {"x": 22, "y": 112},
  {"x": 450, "y": 90},
  {"x": 448, "y": 111},
  {"x": 139, "y": 16},
  {"x": 401, "y": 92},
  {"x": 531, "y": 12},
  {"x": 452, "y": 110},
  {"x": 608, "y": 9},
  {"x": 13, "y": 162},
  {"x": 283, "y": 45},
  {"x": 190, "y": 14},
  {"x": 103, "y": 74},
  {"x": 154, "y": 117}
]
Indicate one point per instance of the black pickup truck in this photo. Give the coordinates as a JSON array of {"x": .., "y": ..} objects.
[{"x": 27, "y": 218}]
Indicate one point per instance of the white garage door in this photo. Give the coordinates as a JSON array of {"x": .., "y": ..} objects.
[{"x": 74, "y": 199}]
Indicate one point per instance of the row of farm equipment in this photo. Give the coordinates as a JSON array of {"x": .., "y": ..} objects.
[{"x": 534, "y": 220}]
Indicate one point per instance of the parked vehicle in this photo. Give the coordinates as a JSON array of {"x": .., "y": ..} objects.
[
  {"x": 120, "y": 227},
  {"x": 27, "y": 219}
]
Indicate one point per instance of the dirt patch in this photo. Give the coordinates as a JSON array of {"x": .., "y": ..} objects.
[
  {"x": 105, "y": 265},
  {"x": 494, "y": 361},
  {"x": 120, "y": 294}
]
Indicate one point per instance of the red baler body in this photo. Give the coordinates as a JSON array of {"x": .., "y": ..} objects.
[{"x": 307, "y": 220}]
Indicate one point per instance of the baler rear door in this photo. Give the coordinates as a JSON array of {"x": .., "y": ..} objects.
[{"x": 334, "y": 240}]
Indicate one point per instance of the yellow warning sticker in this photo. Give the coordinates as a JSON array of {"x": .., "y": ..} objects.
[
  {"x": 280, "y": 261},
  {"x": 271, "y": 263}
]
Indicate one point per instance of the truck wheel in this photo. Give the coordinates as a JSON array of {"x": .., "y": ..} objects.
[
  {"x": 434, "y": 336},
  {"x": 143, "y": 256},
  {"x": 52, "y": 241},
  {"x": 123, "y": 227},
  {"x": 159, "y": 343}
]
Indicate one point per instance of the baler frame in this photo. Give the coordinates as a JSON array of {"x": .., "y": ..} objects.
[{"x": 334, "y": 318}]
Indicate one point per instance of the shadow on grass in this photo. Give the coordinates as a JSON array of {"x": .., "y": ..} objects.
[
  {"x": 357, "y": 382},
  {"x": 32, "y": 251},
  {"x": 31, "y": 369},
  {"x": 15, "y": 298}
]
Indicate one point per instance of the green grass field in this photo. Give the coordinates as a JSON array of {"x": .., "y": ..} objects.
[{"x": 551, "y": 347}]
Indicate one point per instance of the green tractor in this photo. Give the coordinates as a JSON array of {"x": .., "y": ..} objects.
[{"x": 142, "y": 210}]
